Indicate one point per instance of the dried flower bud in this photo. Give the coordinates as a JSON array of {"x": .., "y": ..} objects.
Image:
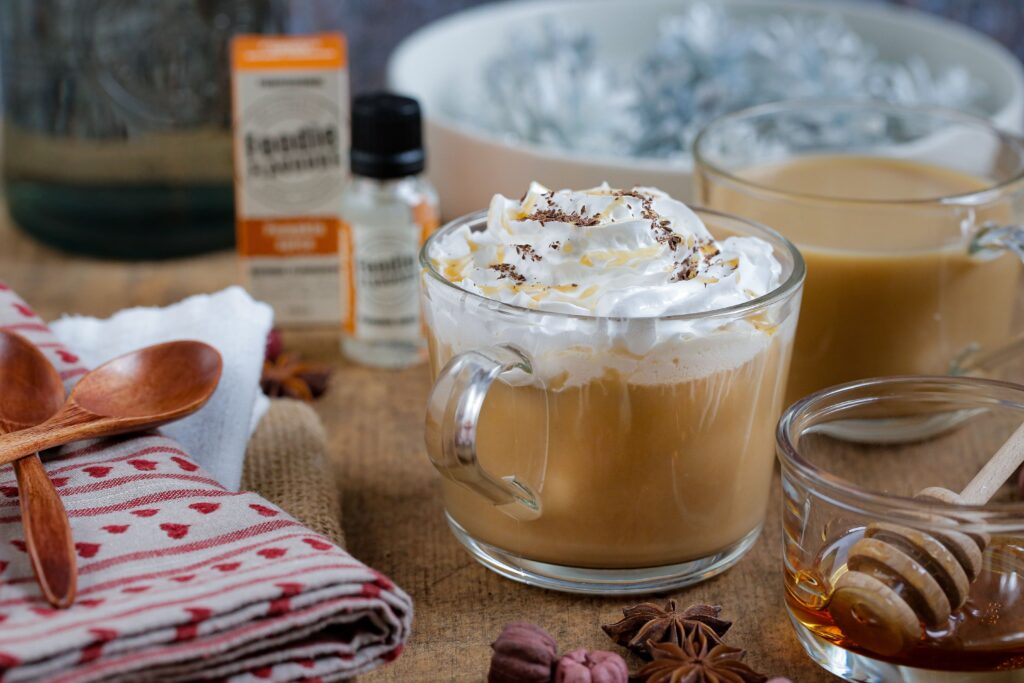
[
  {"x": 779, "y": 680},
  {"x": 523, "y": 653},
  {"x": 580, "y": 666},
  {"x": 275, "y": 345}
]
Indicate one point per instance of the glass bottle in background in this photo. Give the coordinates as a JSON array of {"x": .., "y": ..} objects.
[
  {"x": 117, "y": 121},
  {"x": 388, "y": 210}
]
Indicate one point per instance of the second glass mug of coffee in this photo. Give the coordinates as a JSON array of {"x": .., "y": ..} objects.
[
  {"x": 607, "y": 455},
  {"x": 906, "y": 218}
]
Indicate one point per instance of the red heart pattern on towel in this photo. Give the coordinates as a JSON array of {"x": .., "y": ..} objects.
[
  {"x": 263, "y": 510},
  {"x": 67, "y": 356},
  {"x": 87, "y": 550},
  {"x": 175, "y": 531},
  {"x": 184, "y": 464},
  {"x": 316, "y": 544}
]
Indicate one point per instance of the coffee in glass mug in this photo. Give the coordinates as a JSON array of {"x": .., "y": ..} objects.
[
  {"x": 905, "y": 217},
  {"x": 609, "y": 366}
]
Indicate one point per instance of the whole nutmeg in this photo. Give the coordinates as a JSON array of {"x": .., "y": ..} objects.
[
  {"x": 523, "y": 653},
  {"x": 580, "y": 666}
]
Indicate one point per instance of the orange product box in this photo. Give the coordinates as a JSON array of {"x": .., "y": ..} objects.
[{"x": 290, "y": 122}]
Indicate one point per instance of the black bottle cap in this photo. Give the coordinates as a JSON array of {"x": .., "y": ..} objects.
[{"x": 387, "y": 136}]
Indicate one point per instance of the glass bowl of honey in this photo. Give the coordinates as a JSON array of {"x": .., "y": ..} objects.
[{"x": 902, "y": 562}]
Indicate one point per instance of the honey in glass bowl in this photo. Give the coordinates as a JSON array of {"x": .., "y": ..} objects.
[{"x": 854, "y": 456}]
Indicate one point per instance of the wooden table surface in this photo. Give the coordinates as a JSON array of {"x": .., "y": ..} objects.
[{"x": 392, "y": 513}]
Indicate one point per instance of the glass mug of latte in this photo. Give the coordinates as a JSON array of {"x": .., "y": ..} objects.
[
  {"x": 905, "y": 216},
  {"x": 584, "y": 449}
]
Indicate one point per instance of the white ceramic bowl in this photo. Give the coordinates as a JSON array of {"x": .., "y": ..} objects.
[{"x": 469, "y": 165}]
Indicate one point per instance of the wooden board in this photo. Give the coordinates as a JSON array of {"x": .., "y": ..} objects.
[{"x": 392, "y": 514}]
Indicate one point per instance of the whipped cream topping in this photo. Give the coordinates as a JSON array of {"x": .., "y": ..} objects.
[
  {"x": 603, "y": 252},
  {"x": 622, "y": 261}
]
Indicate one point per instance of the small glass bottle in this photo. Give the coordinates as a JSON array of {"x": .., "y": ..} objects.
[{"x": 387, "y": 210}]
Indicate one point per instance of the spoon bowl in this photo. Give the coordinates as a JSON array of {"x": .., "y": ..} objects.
[
  {"x": 165, "y": 381},
  {"x": 138, "y": 391},
  {"x": 31, "y": 391}
]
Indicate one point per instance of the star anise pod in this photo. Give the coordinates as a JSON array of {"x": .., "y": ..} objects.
[
  {"x": 288, "y": 376},
  {"x": 699, "y": 659},
  {"x": 648, "y": 623}
]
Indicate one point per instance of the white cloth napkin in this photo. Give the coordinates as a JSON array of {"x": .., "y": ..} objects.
[{"x": 233, "y": 323}]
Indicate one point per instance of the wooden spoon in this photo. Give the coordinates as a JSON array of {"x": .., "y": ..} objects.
[
  {"x": 31, "y": 392},
  {"x": 899, "y": 578},
  {"x": 140, "y": 390}
]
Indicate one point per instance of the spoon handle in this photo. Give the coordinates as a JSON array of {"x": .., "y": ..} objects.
[
  {"x": 70, "y": 424},
  {"x": 48, "y": 539},
  {"x": 14, "y": 446}
]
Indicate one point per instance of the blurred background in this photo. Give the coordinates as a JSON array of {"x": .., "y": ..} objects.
[
  {"x": 117, "y": 113},
  {"x": 374, "y": 27}
]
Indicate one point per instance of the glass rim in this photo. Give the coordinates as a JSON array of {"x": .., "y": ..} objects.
[
  {"x": 783, "y": 291},
  {"x": 974, "y": 198},
  {"x": 848, "y": 495}
]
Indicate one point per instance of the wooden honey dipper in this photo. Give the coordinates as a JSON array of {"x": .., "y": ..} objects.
[{"x": 899, "y": 578}]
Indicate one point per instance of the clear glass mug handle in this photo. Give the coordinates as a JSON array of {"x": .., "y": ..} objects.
[
  {"x": 453, "y": 413},
  {"x": 992, "y": 238}
]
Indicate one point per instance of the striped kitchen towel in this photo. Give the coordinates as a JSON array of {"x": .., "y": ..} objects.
[{"x": 180, "y": 578}]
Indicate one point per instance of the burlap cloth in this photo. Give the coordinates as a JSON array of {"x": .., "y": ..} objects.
[{"x": 287, "y": 463}]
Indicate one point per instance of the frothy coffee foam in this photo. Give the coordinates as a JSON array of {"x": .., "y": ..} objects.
[{"x": 622, "y": 261}]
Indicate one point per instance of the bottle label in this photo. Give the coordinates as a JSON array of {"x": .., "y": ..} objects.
[
  {"x": 380, "y": 280},
  {"x": 292, "y": 262},
  {"x": 290, "y": 128}
]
